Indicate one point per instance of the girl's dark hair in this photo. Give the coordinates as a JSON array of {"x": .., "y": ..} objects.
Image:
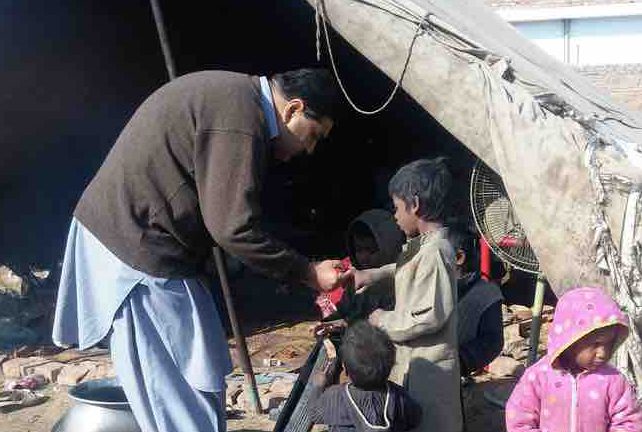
[
  {"x": 316, "y": 87},
  {"x": 368, "y": 355},
  {"x": 429, "y": 181}
]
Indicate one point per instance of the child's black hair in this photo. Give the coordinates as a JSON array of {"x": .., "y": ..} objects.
[
  {"x": 462, "y": 237},
  {"x": 429, "y": 181},
  {"x": 368, "y": 355},
  {"x": 316, "y": 87}
]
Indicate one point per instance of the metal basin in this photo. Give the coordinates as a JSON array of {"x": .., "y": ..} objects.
[{"x": 98, "y": 406}]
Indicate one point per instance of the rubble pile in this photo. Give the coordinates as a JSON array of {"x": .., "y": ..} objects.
[
  {"x": 517, "y": 322},
  {"x": 56, "y": 366}
]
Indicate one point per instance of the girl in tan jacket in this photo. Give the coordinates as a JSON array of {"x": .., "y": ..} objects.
[{"x": 423, "y": 323}]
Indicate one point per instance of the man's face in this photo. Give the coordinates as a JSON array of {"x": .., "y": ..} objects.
[
  {"x": 298, "y": 132},
  {"x": 406, "y": 217}
]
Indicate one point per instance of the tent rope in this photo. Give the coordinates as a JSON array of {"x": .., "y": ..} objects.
[{"x": 320, "y": 19}]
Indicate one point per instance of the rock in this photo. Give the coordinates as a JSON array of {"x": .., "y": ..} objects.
[
  {"x": 547, "y": 313},
  {"x": 11, "y": 283},
  {"x": 11, "y": 368},
  {"x": 75, "y": 355},
  {"x": 18, "y": 367},
  {"x": 233, "y": 393},
  {"x": 507, "y": 315},
  {"x": 521, "y": 312},
  {"x": 268, "y": 401},
  {"x": 100, "y": 371},
  {"x": 511, "y": 333},
  {"x": 517, "y": 350},
  {"x": 281, "y": 387},
  {"x": 3, "y": 357},
  {"x": 525, "y": 328},
  {"x": 49, "y": 370},
  {"x": 271, "y": 401},
  {"x": 515, "y": 345},
  {"x": 72, "y": 374},
  {"x": 505, "y": 366}
]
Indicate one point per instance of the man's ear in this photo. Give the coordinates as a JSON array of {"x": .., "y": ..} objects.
[
  {"x": 292, "y": 107},
  {"x": 415, "y": 206},
  {"x": 460, "y": 257}
]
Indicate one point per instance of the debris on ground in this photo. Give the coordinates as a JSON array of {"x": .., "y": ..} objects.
[
  {"x": 12, "y": 400},
  {"x": 11, "y": 283},
  {"x": 29, "y": 382},
  {"x": 68, "y": 367}
]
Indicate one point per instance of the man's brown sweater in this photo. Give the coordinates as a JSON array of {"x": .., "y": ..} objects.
[{"x": 185, "y": 173}]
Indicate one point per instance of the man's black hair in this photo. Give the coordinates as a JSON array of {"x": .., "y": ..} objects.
[
  {"x": 429, "y": 181},
  {"x": 463, "y": 238},
  {"x": 316, "y": 87},
  {"x": 368, "y": 355}
]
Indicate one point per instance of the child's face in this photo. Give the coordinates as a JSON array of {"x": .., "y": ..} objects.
[
  {"x": 593, "y": 350},
  {"x": 365, "y": 250},
  {"x": 406, "y": 217}
]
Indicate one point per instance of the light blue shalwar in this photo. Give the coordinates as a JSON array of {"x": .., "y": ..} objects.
[{"x": 166, "y": 340}]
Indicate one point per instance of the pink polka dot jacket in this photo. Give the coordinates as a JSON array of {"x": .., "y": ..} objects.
[{"x": 550, "y": 399}]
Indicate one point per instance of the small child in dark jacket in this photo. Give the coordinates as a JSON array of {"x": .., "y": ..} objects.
[
  {"x": 479, "y": 308},
  {"x": 369, "y": 402}
]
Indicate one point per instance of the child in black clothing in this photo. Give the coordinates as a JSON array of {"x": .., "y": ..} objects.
[
  {"x": 479, "y": 308},
  {"x": 369, "y": 402}
]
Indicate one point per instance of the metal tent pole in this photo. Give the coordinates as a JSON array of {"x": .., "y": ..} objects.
[
  {"x": 536, "y": 323},
  {"x": 241, "y": 347},
  {"x": 164, "y": 41},
  {"x": 244, "y": 357}
]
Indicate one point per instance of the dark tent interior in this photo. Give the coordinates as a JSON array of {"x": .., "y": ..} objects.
[{"x": 73, "y": 72}]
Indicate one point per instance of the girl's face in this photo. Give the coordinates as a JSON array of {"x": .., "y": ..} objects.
[{"x": 593, "y": 350}]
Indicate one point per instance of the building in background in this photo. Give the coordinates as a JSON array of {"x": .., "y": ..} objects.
[{"x": 602, "y": 39}]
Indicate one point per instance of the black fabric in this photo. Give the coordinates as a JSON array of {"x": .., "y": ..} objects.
[
  {"x": 389, "y": 239},
  {"x": 333, "y": 408},
  {"x": 489, "y": 341}
]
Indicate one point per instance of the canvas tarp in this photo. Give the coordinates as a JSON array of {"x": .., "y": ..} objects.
[{"x": 570, "y": 158}]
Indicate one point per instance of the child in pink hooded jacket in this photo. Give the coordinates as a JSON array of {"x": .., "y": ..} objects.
[{"x": 573, "y": 388}]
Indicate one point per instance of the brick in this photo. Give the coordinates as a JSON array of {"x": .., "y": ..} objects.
[
  {"x": 18, "y": 367},
  {"x": 99, "y": 371},
  {"x": 233, "y": 393},
  {"x": 281, "y": 388},
  {"x": 505, "y": 367},
  {"x": 49, "y": 370},
  {"x": 72, "y": 374}
]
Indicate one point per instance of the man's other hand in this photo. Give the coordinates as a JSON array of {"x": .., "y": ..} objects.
[{"x": 327, "y": 275}]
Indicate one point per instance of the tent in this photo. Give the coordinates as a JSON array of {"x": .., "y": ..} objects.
[{"x": 570, "y": 158}]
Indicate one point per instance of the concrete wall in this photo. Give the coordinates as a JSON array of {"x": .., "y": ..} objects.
[
  {"x": 588, "y": 42},
  {"x": 601, "y": 38}
]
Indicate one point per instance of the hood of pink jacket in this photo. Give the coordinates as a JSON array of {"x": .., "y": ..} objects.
[{"x": 579, "y": 312}]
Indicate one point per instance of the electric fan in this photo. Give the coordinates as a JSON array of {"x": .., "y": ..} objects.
[{"x": 500, "y": 228}]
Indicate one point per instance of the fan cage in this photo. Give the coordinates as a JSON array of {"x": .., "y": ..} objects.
[{"x": 496, "y": 221}]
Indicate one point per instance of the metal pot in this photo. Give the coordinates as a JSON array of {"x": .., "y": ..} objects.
[{"x": 98, "y": 406}]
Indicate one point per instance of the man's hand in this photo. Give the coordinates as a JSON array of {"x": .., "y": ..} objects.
[{"x": 327, "y": 275}]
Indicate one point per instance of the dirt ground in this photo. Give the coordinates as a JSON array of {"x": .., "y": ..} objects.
[
  {"x": 289, "y": 344},
  {"x": 481, "y": 416},
  {"x": 280, "y": 339}
]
